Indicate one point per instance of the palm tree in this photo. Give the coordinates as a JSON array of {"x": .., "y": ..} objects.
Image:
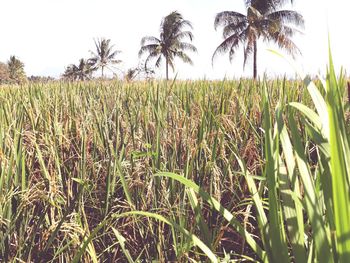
[
  {"x": 104, "y": 55},
  {"x": 85, "y": 69},
  {"x": 263, "y": 21},
  {"x": 82, "y": 71},
  {"x": 70, "y": 72},
  {"x": 170, "y": 44}
]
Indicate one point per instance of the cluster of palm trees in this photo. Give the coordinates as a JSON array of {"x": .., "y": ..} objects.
[
  {"x": 102, "y": 58},
  {"x": 264, "y": 20}
]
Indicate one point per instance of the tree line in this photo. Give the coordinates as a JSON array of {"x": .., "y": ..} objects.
[{"x": 263, "y": 20}]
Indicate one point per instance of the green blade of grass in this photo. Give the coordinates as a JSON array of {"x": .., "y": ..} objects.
[
  {"x": 196, "y": 241},
  {"x": 199, "y": 217},
  {"x": 339, "y": 146},
  {"x": 122, "y": 241},
  {"x": 293, "y": 210},
  {"x": 219, "y": 208},
  {"x": 312, "y": 202},
  {"x": 279, "y": 250}
]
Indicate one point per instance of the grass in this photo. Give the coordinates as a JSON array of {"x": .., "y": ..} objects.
[{"x": 195, "y": 170}]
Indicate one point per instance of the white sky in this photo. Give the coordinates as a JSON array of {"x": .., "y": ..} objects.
[{"x": 47, "y": 35}]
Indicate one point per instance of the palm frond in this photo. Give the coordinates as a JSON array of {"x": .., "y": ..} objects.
[
  {"x": 112, "y": 55},
  {"x": 149, "y": 40},
  {"x": 116, "y": 61},
  {"x": 226, "y": 18},
  {"x": 186, "y": 47},
  {"x": 184, "y": 57},
  {"x": 230, "y": 44},
  {"x": 184, "y": 34},
  {"x": 181, "y": 24},
  {"x": 266, "y": 6},
  {"x": 285, "y": 43},
  {"x": 287, "y": 16},
  {"x": 152, "y": 48},
  {"x": 171, "y": 62},
  {"x": 234, "y": 28},
  {"x": 158, "y": 62},
  {"x": 151, "y": 56},
  {"x": 248, "y": 50}
]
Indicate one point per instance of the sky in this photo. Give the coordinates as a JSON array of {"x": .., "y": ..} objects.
[{"x": 48, "y": 35}]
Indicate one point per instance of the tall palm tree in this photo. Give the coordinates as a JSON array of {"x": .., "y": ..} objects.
[
  {"x": 264, "y": 20},
  {"x": 169, "y": 45},
  {"x": 105, "y": 55}
]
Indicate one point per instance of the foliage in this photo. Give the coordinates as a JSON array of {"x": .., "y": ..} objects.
[
  {"x": 87, "y": 171},
  {"x": 16, "y": 70},
  {"x": 75, "y": 154},
  {"x": 262, "y": 21},
  {"x": 4, "y": 73},
  {"x": 141, "y": 70},
  {"x": 82, "y": 71},
  {"x": 41, "y": 79},
  {"x": 105, "y": 55},
  {"x": 170, "y": 44}
]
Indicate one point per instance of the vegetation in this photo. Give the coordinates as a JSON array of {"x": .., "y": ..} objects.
[
  {"x": 187, "y": 171},
  {"x": 104, "y": 55},
  {"x": 262, "y": 21},
  {"x": 12, "y": 71},
  {"x": 82, "y": 71},
  {"x": 169, "y": 45},
  {"x": 41, "y": 79},
  {"x": 16, "y": 70},
  {"x": 4, "y": 73},
  {"x": 141, "y": 70}
]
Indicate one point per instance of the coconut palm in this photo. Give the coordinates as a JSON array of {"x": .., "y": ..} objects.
[
  {"x": 82, "y": 71},
  {"x": 105, "y": 55},
  {"x": 169, "y": 45},
  {"x": 264, "y": 20}
]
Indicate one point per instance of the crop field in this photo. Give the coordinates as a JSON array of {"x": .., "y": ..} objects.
[{"x": 180, "y": 171}]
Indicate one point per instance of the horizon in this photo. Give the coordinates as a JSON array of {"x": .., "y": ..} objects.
[{"x": 46, "y": 43}]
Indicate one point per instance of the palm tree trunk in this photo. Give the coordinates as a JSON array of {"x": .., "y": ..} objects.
[
  {"x": 255, "y": 66},
  {"x": 166, "y": 68},
  {"x": 102, "y": 71}
]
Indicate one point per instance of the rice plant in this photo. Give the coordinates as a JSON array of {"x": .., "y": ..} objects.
[{"x": 175, "y": 171}]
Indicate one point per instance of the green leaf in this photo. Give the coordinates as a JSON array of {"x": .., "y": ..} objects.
[
  {"x": 219, "y": 208},
  {"x": 340, "y": 165}
]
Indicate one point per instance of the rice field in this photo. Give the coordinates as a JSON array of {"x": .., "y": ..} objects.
[{"x": 185, "y": 171}]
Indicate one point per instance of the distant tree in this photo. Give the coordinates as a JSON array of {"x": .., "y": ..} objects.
[
  {"x": 170, "y": 44},
  {"x": 142, "y": 70},
  {"x": 4, "y": 73},
  {"x": 104, "y": 55},
  {"x": 70, "y": 72},
  {"x": 82, "y": 71},
  {"x": 16, "y": 70},
  {"x": 41, "y": 79},
  {"x": 264, "y": 20}
]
